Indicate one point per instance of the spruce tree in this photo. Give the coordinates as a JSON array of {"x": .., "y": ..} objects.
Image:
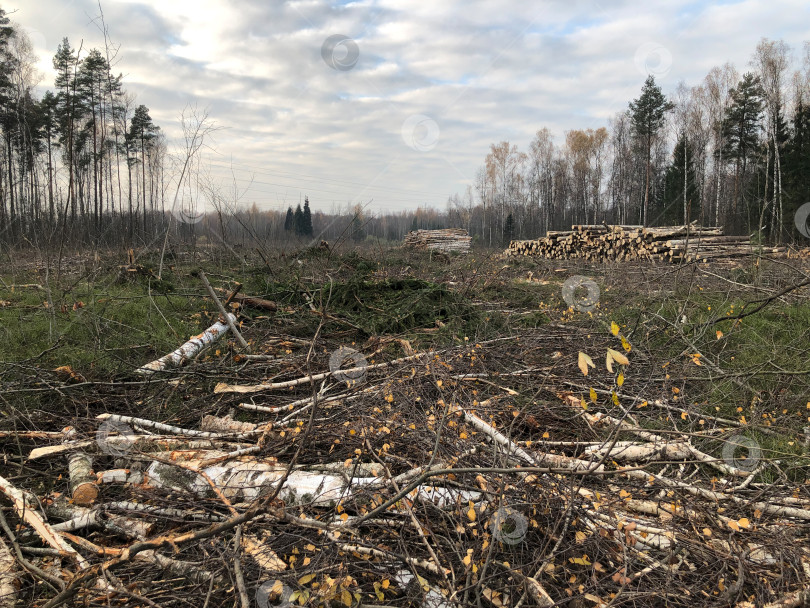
[
  {"x": 671, "y": 211},
  {"x": 298, "y": 221},
  {"x": 509, "y": 230},
  {"x": 797, "y": 161},
  {"x": 648, "y": 114},
  {"x": 741, "y": 126},
  {"x": 307, "y": 219},
  {"x": 288, "y": 220}
]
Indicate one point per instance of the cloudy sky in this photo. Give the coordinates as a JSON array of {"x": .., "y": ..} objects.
[{"x": 395, "y": 102}]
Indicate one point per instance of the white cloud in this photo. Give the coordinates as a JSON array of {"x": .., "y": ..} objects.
[{"x": 483, "y": 71}]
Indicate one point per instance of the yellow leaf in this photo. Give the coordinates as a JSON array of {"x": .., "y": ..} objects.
[
  {"x": 466, "y": 560},
  {"x": 626, "y": 345},
  {"x": 734, "y": 525},
  {"x": 593, "y": 395},
  {"x": 582, "y": 561},
  {"x": 618, "y": 357},
  {"x": 707, "y": 532},
  {"x": 683, "y": 416},
  {"x": 386, "y": 583},
  {"x": 757, "y": 513},
  {"x": 546, "y": 435},
  {"x": 471, "y": 513},
  {"x": 744, "y": 523},
  {"x": 346, "y": 597},
  {"x": 301, "y": 581},
  {"x": 615, "y": 398},
  {"x": 583, "y": 362},
  {"x": 380, "y": 595},
  {"x": 719, "y": 334},
  {"x": 620, "y": 379},
  {"x": 614, "y": 329},
  {"x": 580, "y": 536}
]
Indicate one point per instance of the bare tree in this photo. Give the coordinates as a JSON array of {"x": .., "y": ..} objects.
[
  {"x": 718, "y": 84},
  {"x": 771, "y": 59}
]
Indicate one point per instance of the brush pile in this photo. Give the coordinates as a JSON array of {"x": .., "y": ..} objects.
[
  {"x": 449, "y": 239},
  {"x": 487, "y": 473},
  {"x": 602, "y": 243}
]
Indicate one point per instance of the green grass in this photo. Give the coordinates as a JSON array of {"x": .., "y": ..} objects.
[
  {"x": 759, "y": 350},
  {"x": 100, "y": 330}
]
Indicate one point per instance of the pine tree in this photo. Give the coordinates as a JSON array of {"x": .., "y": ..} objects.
[
  {"x": 65, "y": 64},
  {"x": 648, "y": 114},
  {"x": 90, "y": 83},
  {"x": 47, "y": 108},
  {"x": 142, "y": 133},
  {"x": 307, "y": 219},
  {"x": 288, "y": 220},
  {"x": 740, "y": 129}
]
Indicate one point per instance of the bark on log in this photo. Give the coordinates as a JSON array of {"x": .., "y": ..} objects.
[
  {"x": 246, "y": 481},
  {"x": 44, "y": 530},
  {"x": 8, "y": 575},
  {"x": 253, "y": 302},
  {"x": 83, "y": 486},
  {"x": 189, "y": 350},
  {"x": 450, "y": 239}
]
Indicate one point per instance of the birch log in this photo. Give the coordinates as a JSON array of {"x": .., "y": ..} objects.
[
  {"x": 33, "y": 519},
  {"x": 189, "y": 350},
  {"x": 8, "y": 592},
  {"x": 83, "y": 487},
  {"x": 246, "y": 481}
]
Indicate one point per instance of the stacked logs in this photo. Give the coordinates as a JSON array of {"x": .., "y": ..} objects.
[
  {"x": 449, "y": 239},
  {"x": 601, "y": 243}
]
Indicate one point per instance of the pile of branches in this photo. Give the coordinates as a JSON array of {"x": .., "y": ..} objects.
[
  {"x": 449, "y": 239},
  {"x": 489, "y": 473},
  {"x": 601, "y": 243}
]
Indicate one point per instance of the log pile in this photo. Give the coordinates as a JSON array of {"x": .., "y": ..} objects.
[
  {"x": 602, "y": 243},
  {"x": 449, "y": 239}
]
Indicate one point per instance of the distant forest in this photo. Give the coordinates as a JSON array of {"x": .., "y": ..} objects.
[{"x": 87, "y": 166}]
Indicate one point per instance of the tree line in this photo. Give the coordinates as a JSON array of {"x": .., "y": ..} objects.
[
  {"x": 732, "y": 150},
  {"x": 83, "y": 162}
]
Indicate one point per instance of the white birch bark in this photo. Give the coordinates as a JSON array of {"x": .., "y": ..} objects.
[{"x": 189, "y": 350}]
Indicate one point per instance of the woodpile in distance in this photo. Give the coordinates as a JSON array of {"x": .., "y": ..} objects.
[
  {"x": 600, "y": 243},
  {"x": 449, "y": 239}
]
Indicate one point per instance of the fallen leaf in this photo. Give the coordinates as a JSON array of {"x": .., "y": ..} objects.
[{"x": 583, "y": 362}]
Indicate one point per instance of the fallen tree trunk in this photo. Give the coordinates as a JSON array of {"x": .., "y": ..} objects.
[
  {"x": 83, "y": 486},
  {"x": 246, "y": 481},
  {"x": 8, "y": 576},
  {"x": 189, "y": 350},
  {"x": 44, "y": 530}
]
